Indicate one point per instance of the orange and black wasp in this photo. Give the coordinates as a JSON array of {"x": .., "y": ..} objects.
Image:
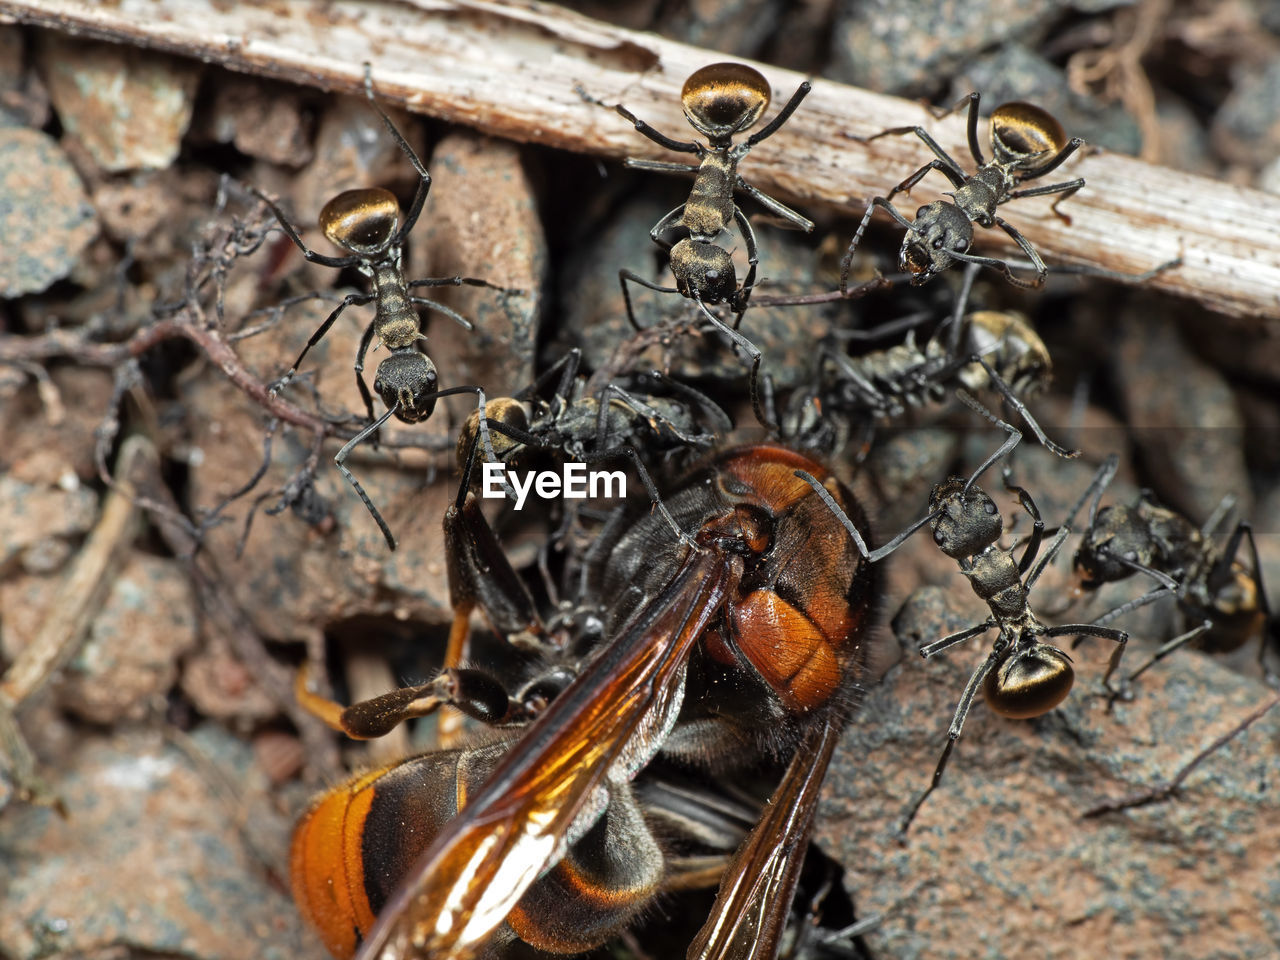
[{"x": 746, "y": 638}]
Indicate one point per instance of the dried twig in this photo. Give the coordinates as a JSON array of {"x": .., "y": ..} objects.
[{"x": 513, "y": 69}]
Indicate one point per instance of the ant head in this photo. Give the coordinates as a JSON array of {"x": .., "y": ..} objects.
[
  {"x": 1119, "y": 534},
  {"x": 1025, "y": 136},
  {"x": 1029, "y": 682},
  {"x": 503, "y": 410},
  {"x": 967, "y": 523},
  {"x": 407, "y": 378},
  {"x": 362, "y": 221},
  {"x": 1006, "y": 339},
  {"x": 940, "y": 230},
  {"x": 703, "y": 271},
  {"x": 724, "y": 98}
]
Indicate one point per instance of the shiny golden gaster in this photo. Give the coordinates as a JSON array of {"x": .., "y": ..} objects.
[
  {"x": 1025, "y": 135},
  {"x": 362, "y": 221},
  {"x": 724, "y": 98}
]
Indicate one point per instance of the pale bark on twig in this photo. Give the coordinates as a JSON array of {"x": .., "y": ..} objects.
[{"x": 513, "y": 69}]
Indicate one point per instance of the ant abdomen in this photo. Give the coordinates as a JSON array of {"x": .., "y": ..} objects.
[
  {"x": 1029, "y": 684},
  {"x": 1025, "y": 136},
  {"x": 362, "y": 221},
  {"x": 722, "y": 99}
]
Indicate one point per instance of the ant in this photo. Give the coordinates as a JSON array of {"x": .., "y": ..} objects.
[
  {"x": 1227, "y": 602},
  {"x": 590, "y": 428},
  {"x": 1027, "y": 143},
  {"x": 719, "y": 100},
  {"x": 366, "y": 222},
  {"x": 980, "y": 350},
  {"x": 1024, "y": 676}
]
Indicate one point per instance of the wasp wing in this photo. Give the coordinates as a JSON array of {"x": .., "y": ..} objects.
[
  {"x": 463, "y": 886},
  {"x": 751, "y": 909}
]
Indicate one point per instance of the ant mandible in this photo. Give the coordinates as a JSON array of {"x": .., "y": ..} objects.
[
  {"x": 719, "y": 101},
  {"x": 366, "y": 222}
]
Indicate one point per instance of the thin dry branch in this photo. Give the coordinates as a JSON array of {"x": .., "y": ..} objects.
[{"x": 513, "y": 69}]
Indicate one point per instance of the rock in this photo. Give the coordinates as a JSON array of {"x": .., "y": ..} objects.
[
  {"x": 45, "y": 216},
  {"x": 130, "y": 112},
  {"x": 152, "y": 856},
  {"x": 890, "y": 48},
  {"x": 264, "y": 120},
  {"x": 1003, "y": 836}
]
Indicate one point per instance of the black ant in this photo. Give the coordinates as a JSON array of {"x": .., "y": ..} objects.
[
  {"x": 980, "y": 350},
  {"x": 719, "y": 101},
  {"x": 1226, "y": 602},
  {"x": 593, "y": 427},
  {"x": 366, "y": 223},
  {"x": 1027, "y": 143},
  {"x": 1024, "y": 676}
]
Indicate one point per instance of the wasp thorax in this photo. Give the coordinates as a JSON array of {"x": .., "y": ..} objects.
[
  {"x": 407, "y": 381},
  {"x": 362, "y": 221},
  {"x": 1024, "y": 134},
  {"x": 724, "y": 98}
]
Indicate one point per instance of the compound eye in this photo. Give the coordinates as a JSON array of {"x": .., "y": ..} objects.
[
  {"x": 362, "y": 221},
  {"x": 724, "y": 98},
  {"x": 1023, "y": 133},
  {"x": 1029, "y": 684}
]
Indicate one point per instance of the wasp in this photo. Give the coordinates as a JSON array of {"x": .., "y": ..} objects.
[
  {"x": 720, "y": 101},
  {"x": 749, "y": 639},
  {"x": 1224, "y": 603}
]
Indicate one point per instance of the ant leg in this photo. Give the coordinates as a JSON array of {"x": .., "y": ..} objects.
[
  {"x": 873, "y": 399},
  {"x": 341, "y": 462},
  {"x": 679, "y": 146},
  {"x": 956, "y": 177},
  {"x": 956, "y": 320},
  {"x": 657, "y": 166},
  {"x": 774, "y": 207},
  {"x": 424, "y": 178},
  {"x": 623, "y": 276},
  {"x": 441, "y": 308},
  {"x": 1037, "y": 528},
  {"x": 1015, "y": 437},
  {"x": 1271, "y": 624},
  {"x": 1106, "y": 473},
  {"x": 1002, "y": 265},
  {"x": 566, "y": 368},
  {"x": 1168, "y": 648},
  {"x": 350, "y": 300},
  {"x": 872, "y": 556},
  {"x": 944, "y": 162},
  {"x": 723, "y": 422},
  {"x": 971, "y": 125},
  {"x": 628, "y": 451},
  {"x": 365, "y": 339},
  {"x": 953, "y": 734},
  {"x": 655, "y": 417},
  {"x": 1006, "y": 391},
  {"x": 1066, "y": 189},
  {"x": 473, "y": 692},
  {"x": 753, "y": 261},
  {"x": 1074, "y": 144},
  {"x": 847, "y": 260},
  {"x": 1046, "y": 558},
  {"x": 310, "y": 255},
  {"x": 1120, "y": 637},
  {"x": 665, "y": 224},
  {"x": 742, "y": 343},
  {"x": 458, "y": 282},
  {"x": 783, "y": 116},
  {"x": 1041, "y": 270}
]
